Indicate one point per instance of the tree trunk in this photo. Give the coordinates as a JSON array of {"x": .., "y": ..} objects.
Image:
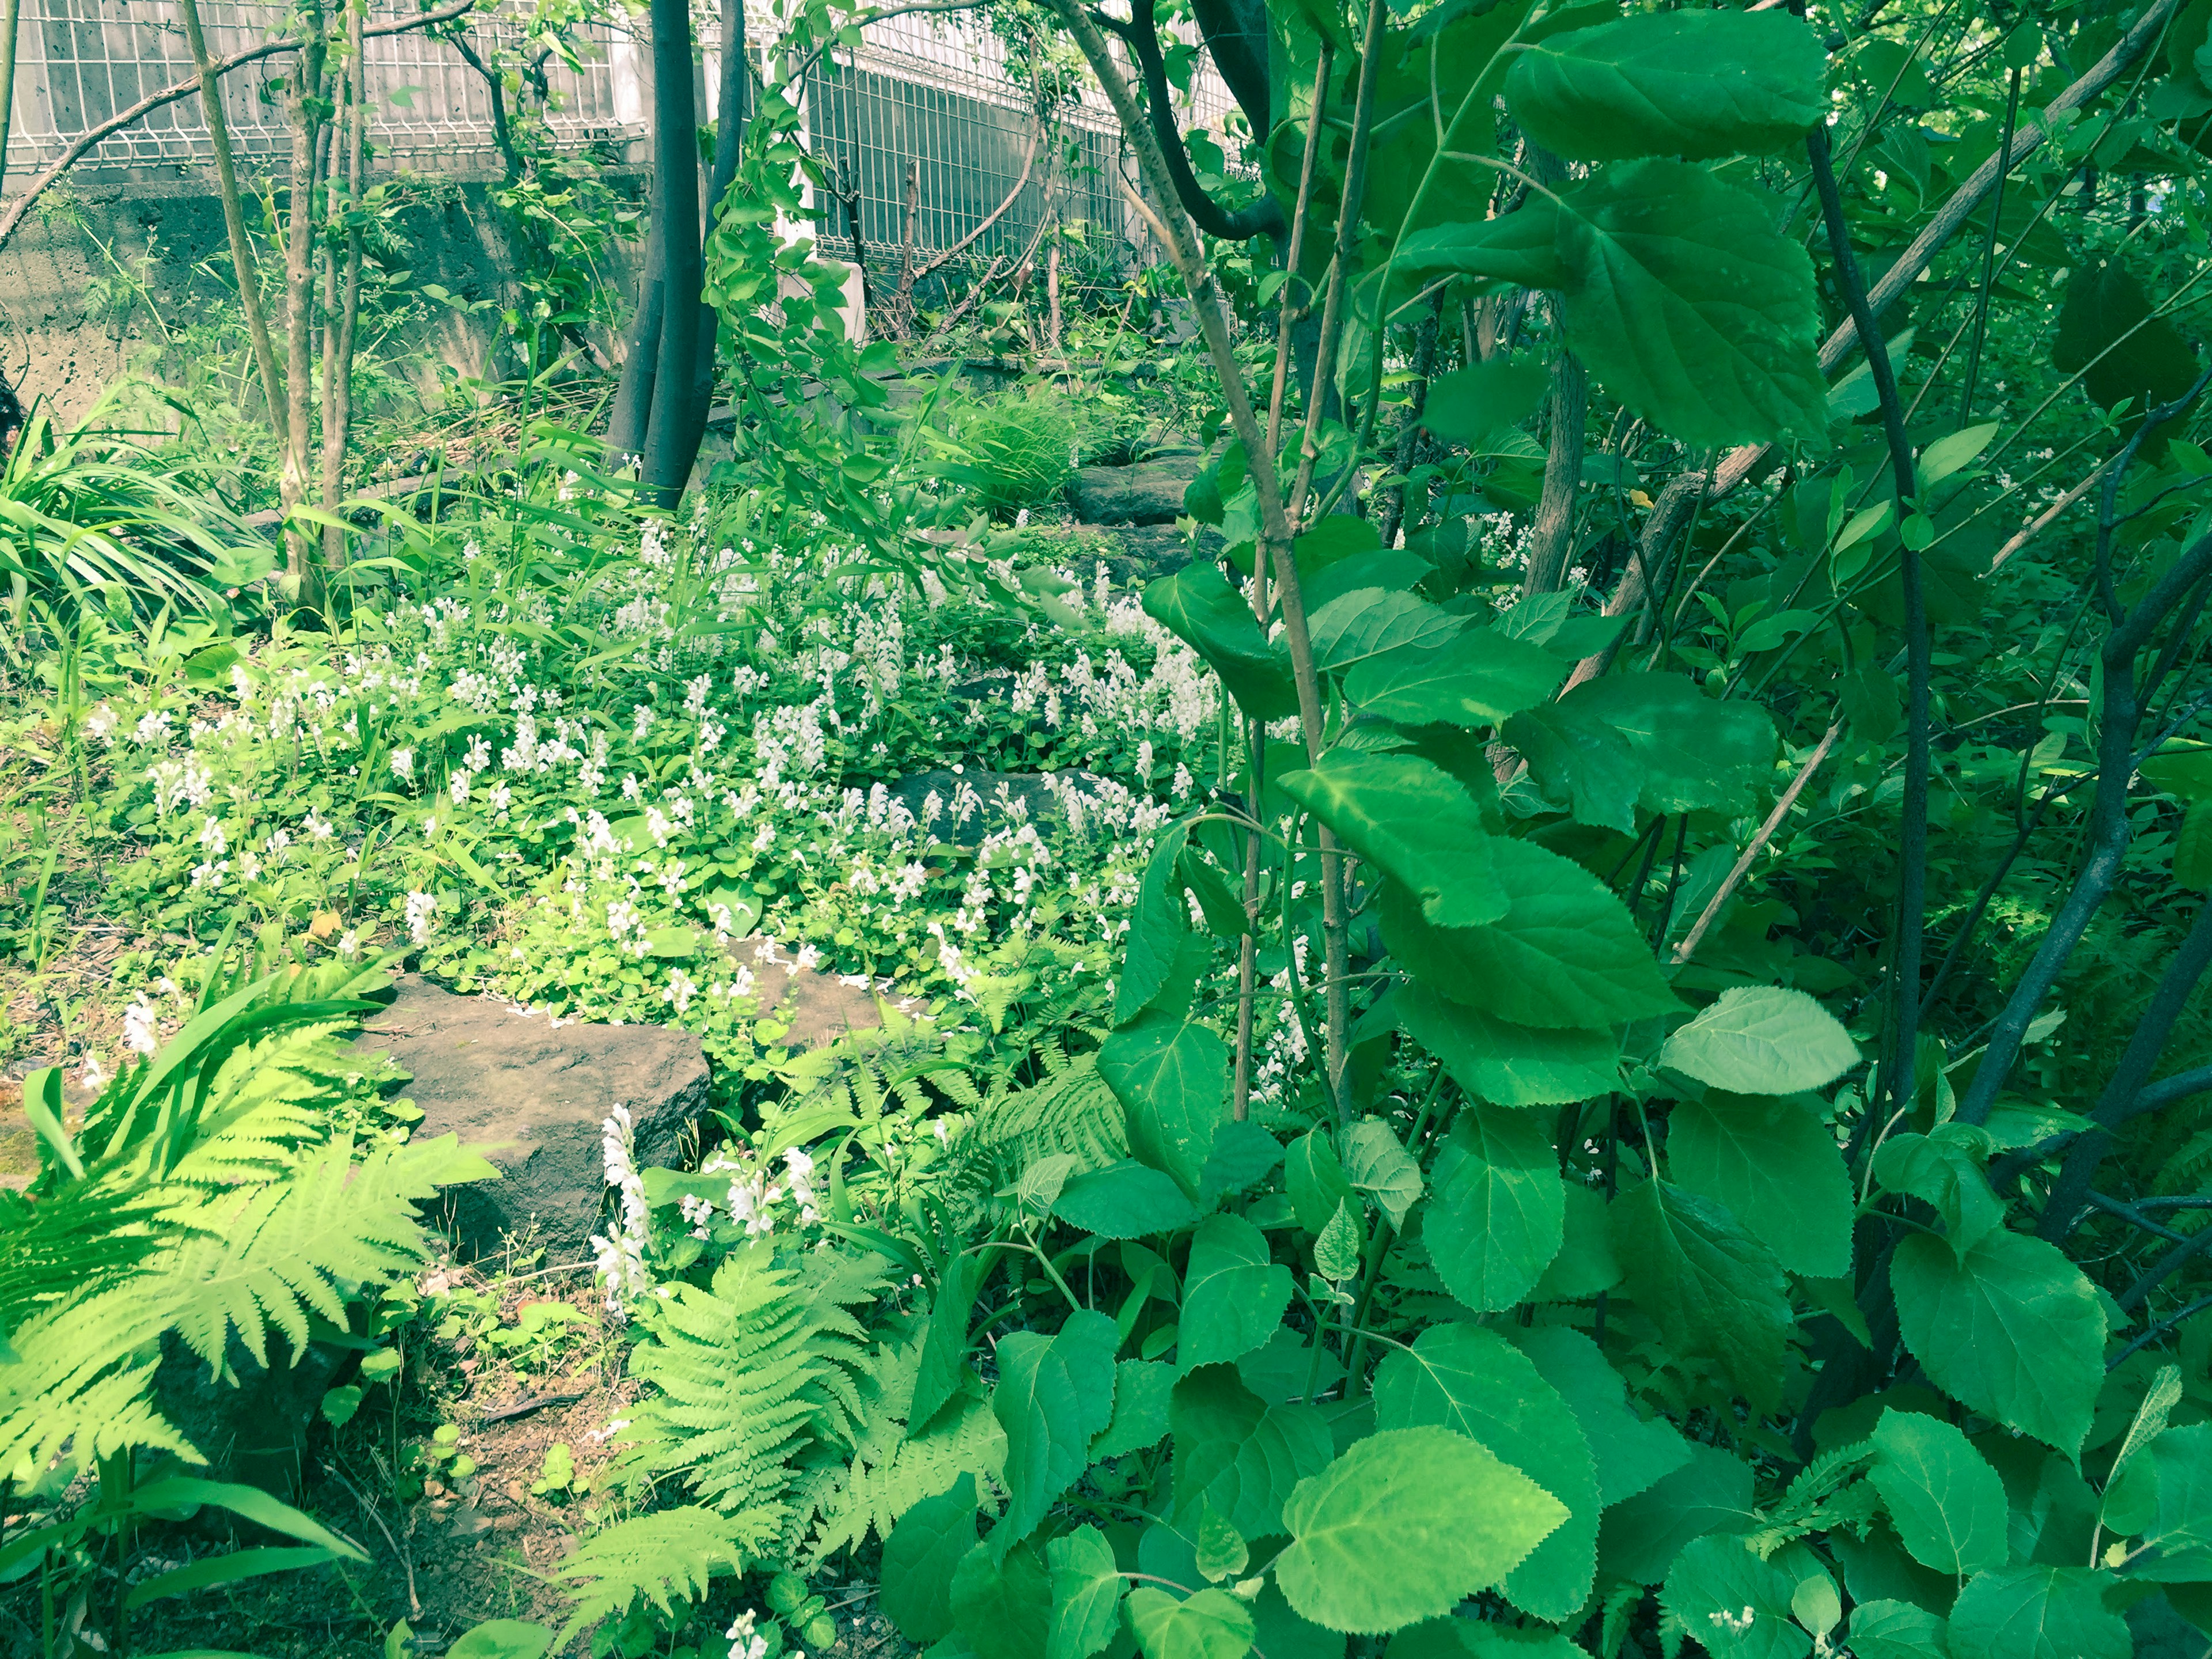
[
  {"x": 337, "y": 356},
  {"x": 300, "y": 282},
  {"x": 234, "y": 220}
]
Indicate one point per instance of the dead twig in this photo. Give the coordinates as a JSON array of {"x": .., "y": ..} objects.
[{"x": 1735, "y": 875}]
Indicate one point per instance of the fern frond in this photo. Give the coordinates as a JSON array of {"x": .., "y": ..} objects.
[
  {"x": 873, "y": 1495},
  {"x": 1073, "y": 1112},
  {"x": 665, "y": 1557},
  {"x": 78, "y": 1383},
  {"x": 269, "y": 1097},
  {"x": 276, "y": 1254},
  {"x": 74, "y": 1242}
]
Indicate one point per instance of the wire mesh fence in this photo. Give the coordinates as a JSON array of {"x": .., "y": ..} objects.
[
  {"x": 81, "y": 63},
  {"x": 933, "y": 92}
]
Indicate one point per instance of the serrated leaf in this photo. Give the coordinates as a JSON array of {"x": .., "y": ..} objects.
[
  {"x": 1762, "y": 1039},
  {"x": 1509, "y": 1065},
  {"x": 1470, "y": 403},
  {"x": 1141, "y": 1390},
  {"x": 1776, "y": 1168},
  {"x": 1125, "y": 1199},
  {"x": 919, "y": 1556},
  {"x": 1462, "y": 1377},
  {"x": 1500, "y": 1210},
  {"x": 1691, "y": 307},
  {"x": 1316, "y": 1180},
  {"x": 1946, "y": 1501},
  {"x": 1377, "y": 1165},
  {"x": 1170, "y": 1072},
  {"x": 1695, "y": 84},
  {"x": 1233, "y": 1295},
  {"x": 1737, "y": 1604},
  {"x": 1238, "y": 1454},
  {"x": 2036, "y": 1613},
  {"x": 1003, "y": 1607},
  {"x": 1888, "y": 1629},
  {"x": 1053, "y": 1394},
  {"x": 1369, "y": 622},
  {"x": 1210, "y": 1625},
  {"x": 1715, "y": 1292},
  {"x": 1709, "y": 1494},
  {"x": 1566, "y": 953},
  {"x": 2012, "y": 1329},
  {"x": 1632, "y": 1455},
  {"x": 1338, "y": 1246},
  {"x": 1414, "y": 821},
  {"x": 1695, "y": 751},
  {"x": 1478, "y": 678},
  {"x": 1086, "y": 1594},
  {"x": 1403, "y": 1527}
]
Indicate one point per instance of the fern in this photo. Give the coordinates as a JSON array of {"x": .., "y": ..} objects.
[
  {"x": 277, "y": 1254},
  {"x": 665, "y": 1557},
  {"x": 205, "y": 1194},
  {"x": 838, "y": 1505},
  {"x": 746, "y": 1373},
  {"x": 1073, "y": 1112}
]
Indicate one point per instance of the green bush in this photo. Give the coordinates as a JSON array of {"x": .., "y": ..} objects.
[{"x": 1018, "y": 451}]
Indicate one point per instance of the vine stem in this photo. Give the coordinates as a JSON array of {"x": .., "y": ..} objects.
[{"x": 1913, "y": 840}]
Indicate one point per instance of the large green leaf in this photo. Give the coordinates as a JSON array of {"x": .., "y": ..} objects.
[
  {"x": 1737, "y": 1604},
  {"x": 1086, "y": 1594},
  {"x": 1761, "y": 1039},
  {"x": 1370, "y": 622},
  {"x": 1160, "y": 955},
  {"x": 1140, "y": 1408},
  {"x": 919, "y": 1556},
  {"x": 1506, "y": 1064},
  {"x": 1170, "y": 1072},
  {"x": 1691, "y": 307},
  {"x": 2038, "y": 1612},
  {"x": 1500, "y": 1210},
  {"x": 1238, "y": 1454},
  {"x": 1125, "y": 1199},
  {"x": 1053, "y": 1394},
  {"x": 1405, "y": 1526},
  {"x": 1198, "y": 605},
  {"x": 1713, "y": 1289},
  {"x": 1316, "y": 1180},
  {"x": 1947, "y": 1502},
  {"x": 1776, "y": 1168},
  {"x": 1585, "y": 1266},
  {"x": 1462, "y": 1377},
  {"x": 943, "y": 1363},
  {"x": 1943, "y": 1169},
  {"x": 1580, "y": 762},
  {"x": 1641, "y": 1536},
  {"x": 1566, "y": 953},
  {"x": 1521, "y": 247},
  {"x": 1469, "y": 404},
  {"x": 2179, "y": 1464},
  {"x": 1233, "y": 1296},
  {"x": 1630, "y": 1453},
  {"x": 1887, "y": 1629},
  {"x": 1696, "y": 84},
  {"x": 1412, "y": 821},
  {"x": 1211, "y": 1624},
  {"x": 2105, "y": 327},
  {"x": 1004, "y": 1607},
  {"x": 1478, "y": 678},
  {"x": 2012, "y": 1329},
  {"x": 1696, "y": 751}
]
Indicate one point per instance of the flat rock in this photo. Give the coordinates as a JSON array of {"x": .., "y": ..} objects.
[
  {"x": 813, "y": 1007},
  {"x": 1145, "y": 492},
  {"x": 1002, "y": 798},
  {"x": 532, "y": 1096}
]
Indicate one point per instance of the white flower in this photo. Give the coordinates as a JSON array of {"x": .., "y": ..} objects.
[
  {"x": 212, "y": 837},
  {"x": 348, "y": 945},
  {"x": 681, "y": 989},
  {"x": 640, "y": 722},
  {"x": 621, "y": 1258},
  {"x": 316, "y": 827},
  {"x": 101, "y": 723},
  {"x": 744, "y": 1642},
  {"x": 95, "y": 1076},
  {"x": 141, "y": 1027},
  {"x": 403, "y": 764},
  {"x": 421, "y": 907}
]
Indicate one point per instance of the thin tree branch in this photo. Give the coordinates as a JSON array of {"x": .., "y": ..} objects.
[{"x": 1688, "y": 947}]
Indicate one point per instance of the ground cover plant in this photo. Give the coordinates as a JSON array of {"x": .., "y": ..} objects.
[{"x": 1576, "y": 1031}]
